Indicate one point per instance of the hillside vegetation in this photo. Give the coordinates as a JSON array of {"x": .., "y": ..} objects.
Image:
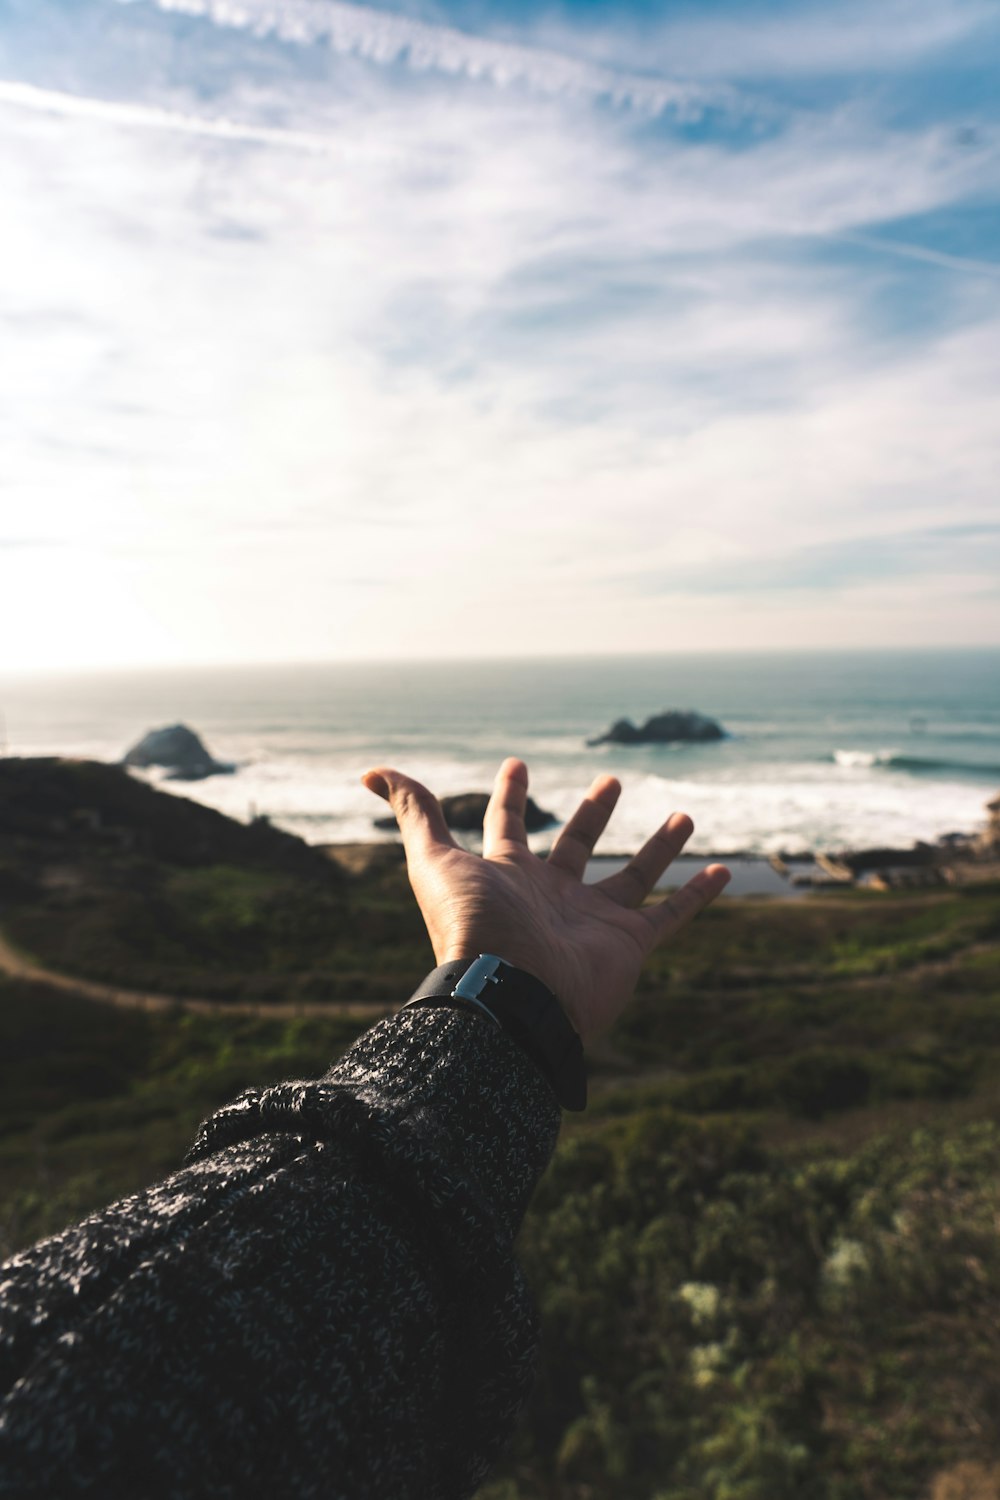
[{"x": 768, "y": 1256}]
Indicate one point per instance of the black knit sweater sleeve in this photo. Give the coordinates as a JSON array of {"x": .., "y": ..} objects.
[{"x": 323, "y": 1302}]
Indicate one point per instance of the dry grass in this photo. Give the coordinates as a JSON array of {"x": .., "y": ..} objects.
[{"x": 967, "y": 1481}]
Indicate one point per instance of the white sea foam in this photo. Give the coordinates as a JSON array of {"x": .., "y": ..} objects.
[
  {"x": 853, "y": 801},
  {"x": 856, "y": 758},
  {"x": 793, "y": 812}
]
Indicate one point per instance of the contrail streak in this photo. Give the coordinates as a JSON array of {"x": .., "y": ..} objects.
[
  {"x": 150, "y": 117},
  {"x": 385, "y": 38},
  {"x": 918, "y": 252}
]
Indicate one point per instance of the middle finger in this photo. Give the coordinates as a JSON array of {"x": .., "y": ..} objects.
[{"x": 575, "y": 844}]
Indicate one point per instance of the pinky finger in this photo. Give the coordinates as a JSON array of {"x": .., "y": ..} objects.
[{"x": 669, "y": 916}]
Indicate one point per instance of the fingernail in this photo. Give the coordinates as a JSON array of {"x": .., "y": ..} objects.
[{"x": 376, "y": 783}]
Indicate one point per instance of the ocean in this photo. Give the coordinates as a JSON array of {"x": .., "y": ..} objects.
[{"x": 825, "y": 750}]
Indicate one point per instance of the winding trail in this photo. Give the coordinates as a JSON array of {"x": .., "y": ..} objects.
[{"x": 17, "y": 965}]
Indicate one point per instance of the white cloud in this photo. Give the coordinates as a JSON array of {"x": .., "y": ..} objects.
[
  {"x": 315, "y": 401},
  {"x": 846, "y": 37}
]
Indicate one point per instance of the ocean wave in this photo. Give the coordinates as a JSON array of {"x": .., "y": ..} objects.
[
  {"x": 918, "y": 765},
  {"x": 776, "y": 807},
  {"x": 863, "y": 758},
  {"x": 795, "y": 813}
]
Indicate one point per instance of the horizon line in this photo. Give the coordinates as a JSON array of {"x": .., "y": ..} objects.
[{"x": 299, "y": 663}]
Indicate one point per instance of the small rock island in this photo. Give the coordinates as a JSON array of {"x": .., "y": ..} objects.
[
  {"x": 180, "y": 751},
  {"x": 465, "y": 812},
  {"x": 675, "y": 726}
]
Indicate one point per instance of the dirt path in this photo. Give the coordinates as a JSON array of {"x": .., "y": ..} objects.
[{"x": 19, "y": 966}]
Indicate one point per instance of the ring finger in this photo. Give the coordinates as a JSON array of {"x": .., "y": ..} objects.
[{"x": 631, "y": 886}]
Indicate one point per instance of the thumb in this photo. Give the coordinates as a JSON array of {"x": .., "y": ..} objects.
[{"x": 418, "y": 811}]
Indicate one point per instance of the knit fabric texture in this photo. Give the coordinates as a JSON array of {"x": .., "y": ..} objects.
[{"x": 324, "y": 1301}]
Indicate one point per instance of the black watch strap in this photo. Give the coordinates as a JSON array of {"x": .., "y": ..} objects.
[{"x": 522, "y": 1006}]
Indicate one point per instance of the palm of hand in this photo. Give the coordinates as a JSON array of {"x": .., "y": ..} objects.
[
  {"x": 573, "y": 938},
  {"x": 587, "y": 943}
]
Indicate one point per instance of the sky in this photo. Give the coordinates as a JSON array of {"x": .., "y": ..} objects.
[{"x": 475, "y": 328}]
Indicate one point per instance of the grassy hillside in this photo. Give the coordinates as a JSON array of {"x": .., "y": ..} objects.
[
  {"x": 768, "y": 1256},
  {"x": 104, "y": 877},
  {"x": 728, "y": 1321},
  {"x": 96, "y": 1102}
]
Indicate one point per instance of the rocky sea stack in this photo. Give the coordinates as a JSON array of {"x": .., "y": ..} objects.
[
  {"x": 675, "y": 726},
  {"x": 465, "y": 813},
  {"x": 180, "y": 751}
]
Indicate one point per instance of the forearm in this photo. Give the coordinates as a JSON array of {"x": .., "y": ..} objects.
[{"x": 325, "y": 1301}]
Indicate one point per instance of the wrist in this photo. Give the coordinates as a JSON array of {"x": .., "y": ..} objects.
[
  {"x": 518, "y": 954},
  {"x": 456, "y": 953},
  {"x": 520, "y": 1004}
]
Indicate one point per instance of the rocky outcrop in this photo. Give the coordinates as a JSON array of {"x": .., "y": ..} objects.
[
  {"x": 987, "y": 843},
  {"x": 180, "y": 751},
  {"x": 954, "y": 859},
  {"x": 906, "y": 878},
  {"x": 861, "y": 861},
  {"x": 950, "y": 850},
  {"x": 676, "y": 726},
  {"x": 465, "y": 813}
]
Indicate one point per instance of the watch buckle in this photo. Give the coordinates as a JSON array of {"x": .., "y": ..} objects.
[{"x": 478, "y": 975}]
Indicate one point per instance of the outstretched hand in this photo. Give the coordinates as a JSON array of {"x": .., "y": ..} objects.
[{"x": 587, "y": 943}]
